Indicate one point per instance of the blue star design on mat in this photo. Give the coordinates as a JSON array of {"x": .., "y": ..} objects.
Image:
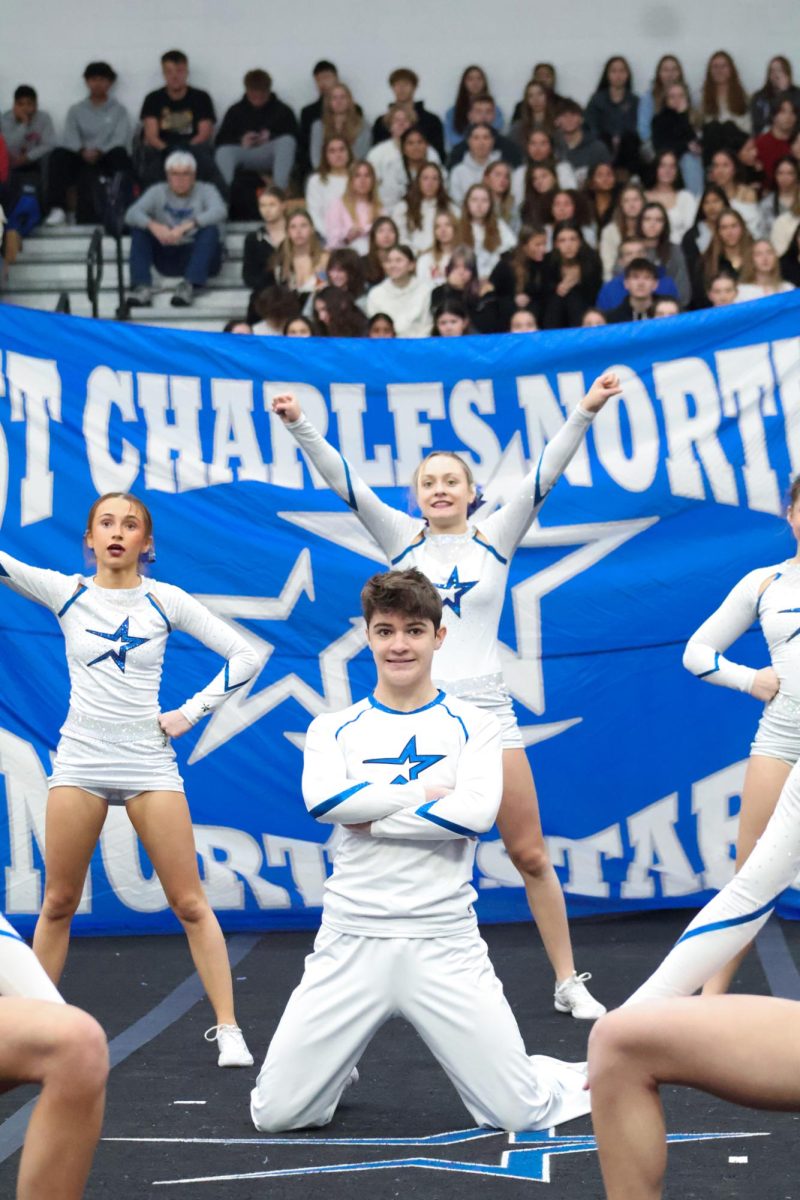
[
  {"x": 126, "y": 642},
  {"x": 417, "y": 763},
  {"x": 526, "y": 1156},
  {"x": 458, "y": 590}
]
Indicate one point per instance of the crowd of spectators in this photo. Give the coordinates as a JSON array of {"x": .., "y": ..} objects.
[{"x": 636, "y": 206}]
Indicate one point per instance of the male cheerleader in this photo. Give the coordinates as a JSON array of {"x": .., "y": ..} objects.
[
  {"x": 43, "y": 1040},
  {"x": 412, "y": 776}
]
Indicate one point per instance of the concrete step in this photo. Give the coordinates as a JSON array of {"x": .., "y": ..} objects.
[
  {"x": 59, "y": 232},
  {"x": 218, "y": 302},
  {"x": 75, "y": 248},
  {"x": 206, "y": 313},
  {"x": 45, "y": 274}
]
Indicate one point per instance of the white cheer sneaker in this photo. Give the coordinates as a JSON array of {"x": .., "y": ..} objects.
[
  {"x": 232, "y": 1047},
  {"x": 572, "y": 996}
]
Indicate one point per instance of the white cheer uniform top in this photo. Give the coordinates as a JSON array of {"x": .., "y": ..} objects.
[
  {"x": 770, "y": 595},
  {"x": 412, "y": 875},
  {"x": 116, "y": 638},
  {"x": 469, "y": 569}
]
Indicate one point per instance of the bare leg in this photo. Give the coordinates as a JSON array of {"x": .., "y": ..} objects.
[
  {"x": 162, "y": 821},
  {"x": 65, "y": 1050},
  {"x": 73, "y": 824},
  {"x": 763, "y": 782},
  {"x": 745, "y": 1049},
  {"x": 521, "y": 830}
]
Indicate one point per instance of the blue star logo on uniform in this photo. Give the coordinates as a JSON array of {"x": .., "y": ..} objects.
[
  {"x": 417, "y": 763},
  {"x": 126, "y": 642},
  {"x": 525, "y": 1156},
  {"x": 457, "y": 589}
]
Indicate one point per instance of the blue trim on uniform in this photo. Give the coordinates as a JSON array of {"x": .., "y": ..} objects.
[
  {"x": 160, "y": 611},
  {"x": 351, "y": 496},
  {"x": 777, "y": 575},
  {"x": 396, "y": 712},
  {"x": 319, "y": 810},
  {"x": 713, "y": 670},
  {"x": 456, "y": 717},
  {"x": 72, "y": 599},
  {"x": 717, "y": 925},
  {"x": 231, "y": 687},
  {"x": 486, "y": 546},
  {"x": 352, "y": 721},
  {"x": 424, "y": 811},
  {"x": 394, "y": 561},
  {"x": 538, "y": 494},
  {"x": 7, "y": 932}
]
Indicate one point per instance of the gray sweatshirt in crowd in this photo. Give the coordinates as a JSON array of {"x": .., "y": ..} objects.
[
  {"x": 96, "y": 127},
  {"x": 203, "y": 205},
  {"x": 37, "y": 136}
]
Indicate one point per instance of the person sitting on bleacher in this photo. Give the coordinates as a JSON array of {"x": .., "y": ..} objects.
[
  {"x": 176, "y": 227},
  {"x": 258, "y": 133},
  {"x": 97, "y": 134},
  {"x": 29, "y": 136},
  {"x": 176, "y": 117}
]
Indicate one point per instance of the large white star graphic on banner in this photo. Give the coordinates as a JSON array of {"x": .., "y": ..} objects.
[
  {"x": 241, "y": 709},
  {"x": 522, "y": 667}
]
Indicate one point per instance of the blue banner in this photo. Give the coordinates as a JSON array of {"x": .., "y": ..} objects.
[{"x": 679, "y": 491}]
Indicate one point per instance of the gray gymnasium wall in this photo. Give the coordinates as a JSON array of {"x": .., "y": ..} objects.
[{"x": 53, "y": 40}]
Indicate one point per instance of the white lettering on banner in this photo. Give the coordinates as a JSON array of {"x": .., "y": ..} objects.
[
  {"x": 786, "y": 359},
  {"x": 544, "y": 417},
  {"x": 232, "y": 858},
  {"x": 287, "y": 457},
  {"x": 241, "y": 858},
  {"x": 692, "y": 440},
  {"x": 119, "y": 849},
  {"x": 107, "y": 390},
  {"x": 171, "y": 405},
  {"x": 413, "y": 437},
  {"x": 747, "y": 387},
  {"x": 26, "y": 799},
  {"x": 306, "y": 860},
  {"x": 467, "y": 396},
  {"x": 34, "y": 390},
  {"x": 235, "y": 433},
  {"x": 349, "y": 402},
  {"x": 584, "y": 858},
  {"x": 657, "y": 851},
  {"x": 717, "y": 826},
  {"x": 635, "y": 471}
]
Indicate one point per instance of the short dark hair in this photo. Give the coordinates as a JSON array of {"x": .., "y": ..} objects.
[
  {"x": 174, "y": 56},
  {"x": 407, "y": 592},
  {"x": 403, "y": 73},
  {"x": 481, "y": 98},
  {"x": 258, "y": 80},
  {"x": 323, "y": 65},
  {"x": 25, "y": 92},
  {"x": 569, "y": 106},
  {"x": 641, "y": 264},
  {"x": 100, "y": 70}
]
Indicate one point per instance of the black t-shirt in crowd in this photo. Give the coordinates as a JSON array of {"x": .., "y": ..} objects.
[{"x": 178, "y": 119}]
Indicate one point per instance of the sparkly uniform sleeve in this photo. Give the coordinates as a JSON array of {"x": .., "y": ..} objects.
[
  {"x": 703, "y": 654},
  {"x": 471, "y": 807},
  {"x": 332, "y": 797},
  {"x": 392, "y": 530},
  {"x": 506, "y": 527},
  {"x": 182, "y": 611},
  {"x": 50, "y": 588}
]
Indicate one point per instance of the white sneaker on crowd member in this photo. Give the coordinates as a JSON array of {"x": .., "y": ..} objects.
[
  {"x": 572, "y": 996},
  {"x": 233, "y": 1050},
  {"x": 56, "y": 216},
  {"x": 183, "y": 295},
  {"x": 140, "y": 297}
]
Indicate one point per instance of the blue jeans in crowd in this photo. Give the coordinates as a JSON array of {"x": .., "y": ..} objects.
[{"x": 195, "y": 260}]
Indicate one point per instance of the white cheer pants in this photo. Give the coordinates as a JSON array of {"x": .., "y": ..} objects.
[
  {"x": 733, "y": 918},
  {"x": 447, "y": 989},
  {"x": 21, "y": 973}
]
